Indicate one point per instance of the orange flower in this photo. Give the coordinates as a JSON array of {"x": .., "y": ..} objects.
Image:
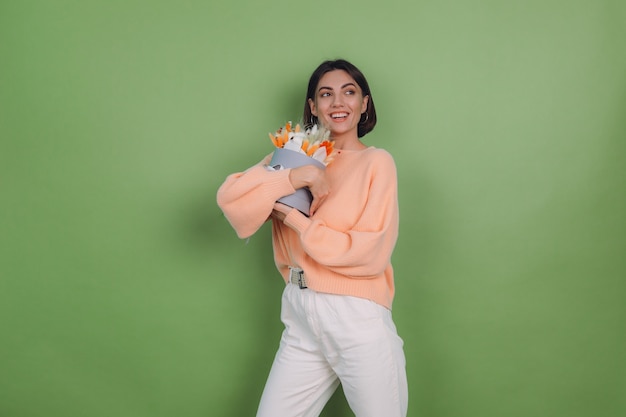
[
  {"x": 274, "y": 140},
  {"x": 328, "y": 145},
  {"x": 312, "y": 149}
]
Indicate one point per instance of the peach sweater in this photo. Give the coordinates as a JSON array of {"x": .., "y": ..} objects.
[{"x": 345, "y": 247}]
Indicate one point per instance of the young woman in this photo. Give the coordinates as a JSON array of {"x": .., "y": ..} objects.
[{"x": 336, "y": 306}]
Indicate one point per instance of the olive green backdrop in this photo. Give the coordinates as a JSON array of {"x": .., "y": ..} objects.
[{"x": 124, "y": 292}]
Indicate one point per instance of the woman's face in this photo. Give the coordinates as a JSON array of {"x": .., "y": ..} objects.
[{"x": 338, "y": 103}]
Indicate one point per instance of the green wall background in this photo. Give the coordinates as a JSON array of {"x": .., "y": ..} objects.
[{"x": 124, "y": 292}]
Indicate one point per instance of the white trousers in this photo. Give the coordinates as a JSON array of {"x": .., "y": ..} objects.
[{"x": 331, "y": 339}]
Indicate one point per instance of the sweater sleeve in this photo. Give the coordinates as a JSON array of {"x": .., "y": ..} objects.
[
  {"x": 247, "y": 198},
  {"x": 365, "y": 250}
]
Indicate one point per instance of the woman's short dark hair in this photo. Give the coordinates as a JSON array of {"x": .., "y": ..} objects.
[{"x": 368, "y": 121}]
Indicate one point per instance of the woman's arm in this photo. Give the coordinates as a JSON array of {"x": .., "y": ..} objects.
[{"x": 247, "y": 198}]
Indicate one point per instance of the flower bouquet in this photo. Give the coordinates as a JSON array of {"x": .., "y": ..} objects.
[{"x": 296, "y": 147}]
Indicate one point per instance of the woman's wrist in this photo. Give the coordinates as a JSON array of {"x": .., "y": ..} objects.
[{"x": 299, "y": 178}]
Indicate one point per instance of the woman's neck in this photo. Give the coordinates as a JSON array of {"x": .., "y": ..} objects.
[{"x": 348, "y": 143}]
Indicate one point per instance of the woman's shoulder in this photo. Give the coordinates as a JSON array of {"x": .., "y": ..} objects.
[
  {"x": 379, "y": 155},
  {"x": 380, "y": 152},
  {"x": 367, "y": 158}
]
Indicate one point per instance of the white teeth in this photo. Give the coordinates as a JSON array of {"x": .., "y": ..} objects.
[{"x": 338, "y": 115}]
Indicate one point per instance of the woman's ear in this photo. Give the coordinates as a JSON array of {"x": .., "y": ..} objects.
[
  {"x": 312, "y": 107},
  {"x": 366, "y": 100}
]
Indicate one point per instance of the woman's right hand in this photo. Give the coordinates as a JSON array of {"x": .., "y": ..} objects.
[{"x": 315, "y": 179}]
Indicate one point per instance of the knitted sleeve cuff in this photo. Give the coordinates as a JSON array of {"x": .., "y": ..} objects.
[
  {"x": 297, "y": 221},
  {"x": 277, "y": 183}
]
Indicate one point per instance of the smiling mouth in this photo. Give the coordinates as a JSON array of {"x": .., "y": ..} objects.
[{"x": 339, "y": 115}]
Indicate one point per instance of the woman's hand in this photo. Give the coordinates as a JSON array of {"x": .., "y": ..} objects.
[{"x": 315, "y": 179}]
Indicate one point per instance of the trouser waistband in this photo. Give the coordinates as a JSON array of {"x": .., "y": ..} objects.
[{"x": 296, "y": 276}]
